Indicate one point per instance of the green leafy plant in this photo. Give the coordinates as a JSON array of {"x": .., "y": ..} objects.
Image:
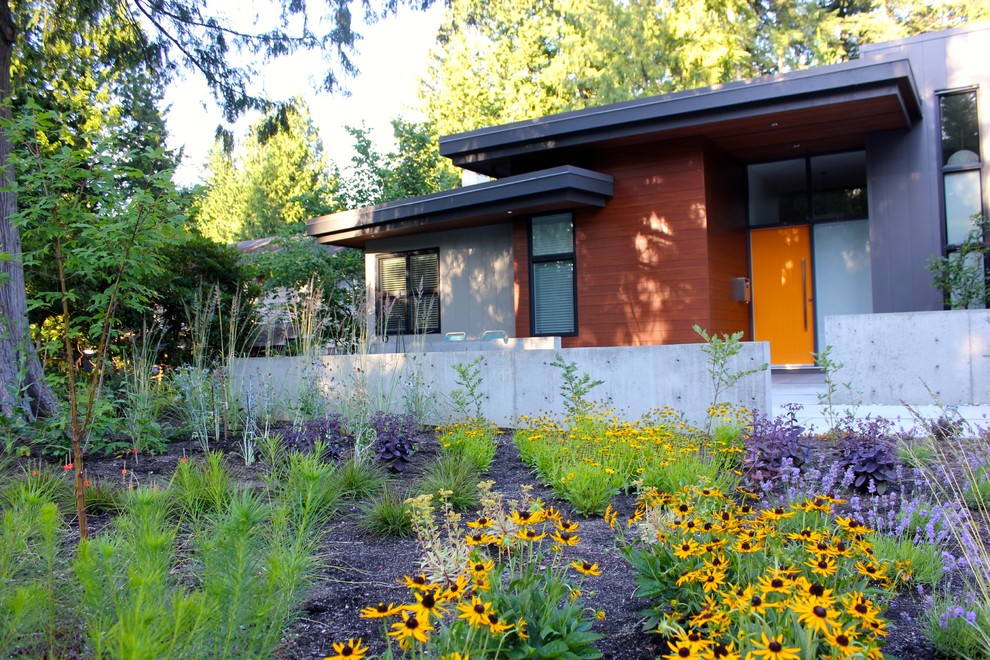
[
  {"x": 575, "y": 387},
  {"x": 467, "y": 397},
  {"x": 830, "y": 369},
  {"x": 473, "y": 440},
  {"x": 720, "y": 351},
  {"x": 961, "y": 274}
]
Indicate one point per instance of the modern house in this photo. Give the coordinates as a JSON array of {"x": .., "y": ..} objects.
[{"x": 763, "y": 205}]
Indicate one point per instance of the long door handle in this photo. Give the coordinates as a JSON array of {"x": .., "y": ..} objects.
[{"x": 804, "y": 291}]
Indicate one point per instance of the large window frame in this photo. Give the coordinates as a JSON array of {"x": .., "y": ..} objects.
[
  {"x": 961, "y": 162},
  {"x": 552, "y": 276},
  {"x": 407, "y": 295}
]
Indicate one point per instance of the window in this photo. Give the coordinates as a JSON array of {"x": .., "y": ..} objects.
[
  {"x": 408, "y": 298},
  {"x": 961, "y": 164},
  {"x": 552, "y": 282}
]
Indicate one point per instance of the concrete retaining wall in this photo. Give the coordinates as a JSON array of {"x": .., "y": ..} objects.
[
  {"x": 515, "y": 383},
  {"x": 894, "y": 358}
]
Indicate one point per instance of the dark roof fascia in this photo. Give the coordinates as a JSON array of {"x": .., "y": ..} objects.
[
  {"x": 565, "y": 183},
  {"x": 701, "y": 106}
]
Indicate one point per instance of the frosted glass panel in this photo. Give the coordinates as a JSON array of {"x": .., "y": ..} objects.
[
  {"x": 842, "y": 272},
  {"x": 962, "y": 202}
]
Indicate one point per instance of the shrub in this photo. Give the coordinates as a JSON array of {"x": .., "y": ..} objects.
[
  {"x": 473, "y": 439},
  {"x": 360, "y": 478},
  {"x": 771, "y": 444},
  {"x": 395, "y": 437},
  {"x": 454, "y": 474}
]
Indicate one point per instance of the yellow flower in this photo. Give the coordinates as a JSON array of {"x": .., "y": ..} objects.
[
  {"x": 481, "y": 539},
  {"x": 526, "y": 517},
  {"x": 381, "y": 611},
  {"x": 844, "y": 641},
  {"x": 476, "y": 612},
  {"x": 416, "y": 582},
  {"x": 480, "y": 523},
  {"x": 815, "y": 616},
  {"x": 428, "y": 603},
  {"x": 410, "y": 629},
  {"x": 774, "y": 649},
  {"x": 349, "y": 650},
  {"x": 530, "y": 534},
  {"x": 565, "y": 538},
  {"x": 586, "y": 568},
  {"x": 495, "y": 626}
]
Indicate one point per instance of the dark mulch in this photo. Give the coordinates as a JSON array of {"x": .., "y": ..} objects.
[{"x": 360, "y": 570}]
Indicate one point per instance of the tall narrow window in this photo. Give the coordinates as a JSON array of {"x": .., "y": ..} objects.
[
  {"x": 961, "y": 165},
  {"x": 408, "y": 293},
  {"x": 552, "y": 275}
]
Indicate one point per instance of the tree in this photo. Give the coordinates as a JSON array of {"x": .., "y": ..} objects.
[
  {"x": 276, "y": 180},
  {"x": 414, "y": 168},
  {"x": 172, "y": 34},
  {"x": 520, "y": 59}
]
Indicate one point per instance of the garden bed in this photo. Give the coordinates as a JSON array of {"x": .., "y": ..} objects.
[{"x": 358, "y": 570}]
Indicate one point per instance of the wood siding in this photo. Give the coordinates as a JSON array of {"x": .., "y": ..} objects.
[
  {"x": 725, "y": 185},
  {"x": 659, "y": 258}
]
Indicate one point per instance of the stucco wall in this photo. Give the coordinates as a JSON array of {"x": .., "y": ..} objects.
[
  {"x": 918, "y": 358},
  {"x": 476, "y": 283},
  {"x": 515, "y": 383}
]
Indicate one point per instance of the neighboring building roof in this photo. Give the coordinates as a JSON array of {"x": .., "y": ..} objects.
[
  {"x": 824, "y": 108},
  {"x": 483, "y": 203},
  {"x": 254, "y": 245}
]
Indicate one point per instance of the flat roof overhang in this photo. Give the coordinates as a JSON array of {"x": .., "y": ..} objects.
[
  {"x": 491, "y": 202},
  {"x": 828, "y": 108}
]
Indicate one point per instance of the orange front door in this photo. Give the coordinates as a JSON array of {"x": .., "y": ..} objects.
[{"x": 782, "y": 297}]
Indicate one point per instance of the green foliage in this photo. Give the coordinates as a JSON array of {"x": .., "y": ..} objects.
[
  {"x": 575, "y": 387},
  {"x": 201, "y": 487},
  {"x": 922, "y": 562},
  {"x": 312, "y": 489},
  {"x": 467, "y": 395},
  {"x": 958, "y": 629},
  {"x": 720, "y": 352},
  {"x": 387, "y": 515},
  {"x": 361, "y": 478},
  {"x": 415, "y": 168},
  {"x": 516, "y": 60},
  {"x": 830, "y": 368},
  {"x": 962, "y": 275},
  {"x": 277, "y": 180},
  {"x": 472, "y": 440},
  {"x": 455, "y": 474}
]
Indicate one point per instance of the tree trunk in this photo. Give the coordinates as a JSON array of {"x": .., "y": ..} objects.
[{"x": 22, "y": 382}]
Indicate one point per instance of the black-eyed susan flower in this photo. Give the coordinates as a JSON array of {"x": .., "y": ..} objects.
[
  {"x": 852, "y": 525},
  {"x": 610, "y": 516},
  {"x": 844, "y": 640},
  {"x": 686, "y": 547},
  {"x": 495, "y": 626},
  {"x": 872, "y": 570},
  {"x": 530, "y": 534},
  {"x": 480, "y": 567},
  {"x": 822, "y": 565},
  {"x": 416, "y": 582},
  {"x": 381, "y": 611},
  {"x": 456, "y": 588},
  {"x": 349, "y": 650},
  {"x": 586, "y": 568},
  {"x": 720, "y": 651},
  {"x": 816, "y": 617},
  {"x": 567, "y": 526},
  {"x": 773, "y": 648},
  {"x": 475, "y": 612},
  {"x": 681, "y": 650},
  {"x": 521, "y": 517},
  {"x": 428, "y": 604},
  {"x": 774, "y": 583},
  {"x": 410, "y": 629},
  {"x": 860, "y": 607},
  {"x": 480, "y": 523},
  {"x": 565, "y": 538},
  {"x": 481, "y": 539}
]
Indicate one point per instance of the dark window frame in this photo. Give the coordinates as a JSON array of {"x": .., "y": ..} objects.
[
  {"x": 948, "y": 170},
  {"x": 559, "y": 257},
  {"x": 409, "y": 294}
]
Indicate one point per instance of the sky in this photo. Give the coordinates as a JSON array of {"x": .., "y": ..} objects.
[{"x": 391, "y": 58}]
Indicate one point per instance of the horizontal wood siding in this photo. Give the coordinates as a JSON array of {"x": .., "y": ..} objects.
[
  {"x": 642, "y": 261},
  {"x": 725, "y": 183}
]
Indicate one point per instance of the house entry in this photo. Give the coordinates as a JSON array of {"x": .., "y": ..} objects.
[
  {"x": 809, "y": 250},
  {"x": 783, "y": 295}
]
